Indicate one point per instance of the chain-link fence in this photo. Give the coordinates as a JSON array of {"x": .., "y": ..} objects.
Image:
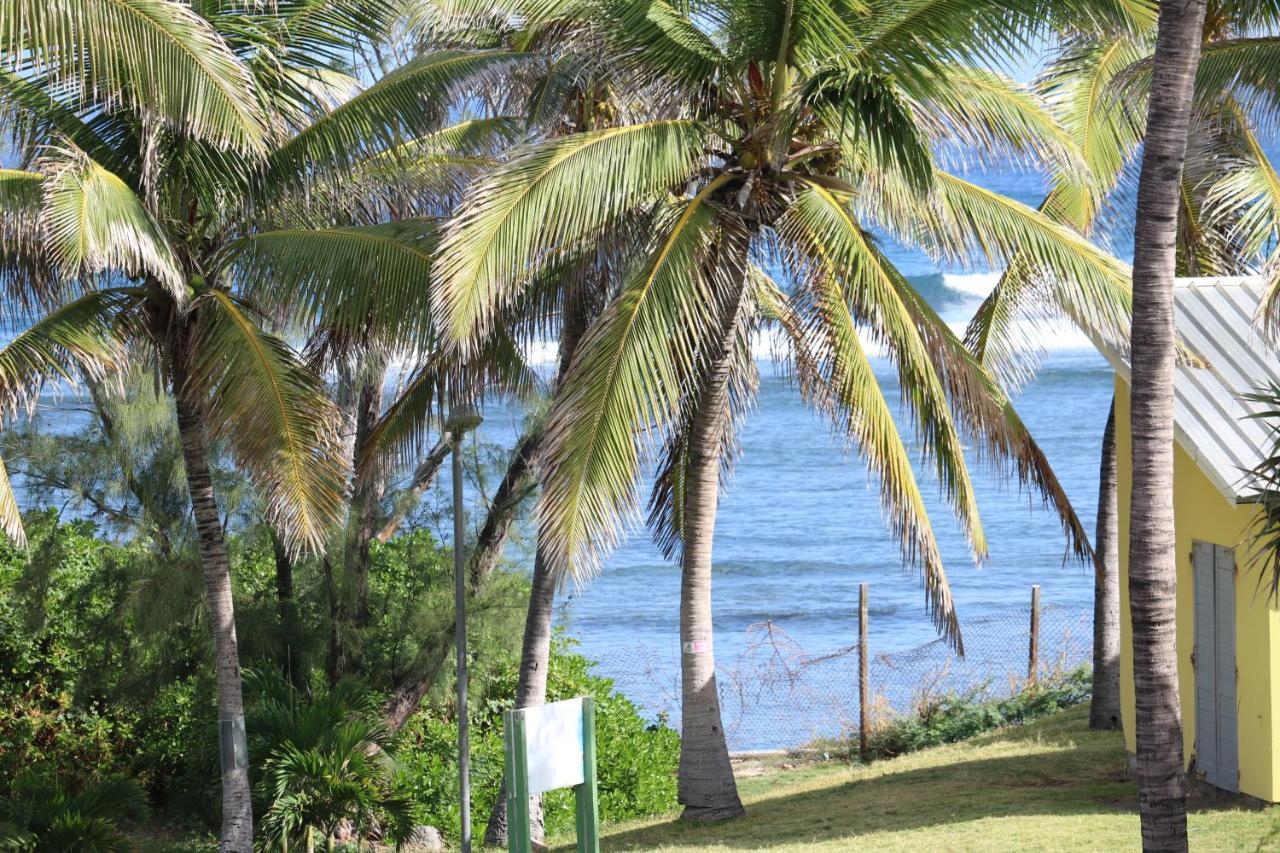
[{"x": 776, "y": 695}]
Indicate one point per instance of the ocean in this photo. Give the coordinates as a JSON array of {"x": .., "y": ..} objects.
[{"x": 800, "y": 527}]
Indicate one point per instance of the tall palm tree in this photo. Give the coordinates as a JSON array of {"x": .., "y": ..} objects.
[
  {"x": 1097, "y": 82},
  {"x": 765, "y": 131},
  {"x": 1104, "y": 704},
  {"x": 157, "y": 139},
  {"x": 1152, "y": 554}
]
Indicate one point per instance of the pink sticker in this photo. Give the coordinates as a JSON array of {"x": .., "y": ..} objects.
[{"x": 697, "y": 647}]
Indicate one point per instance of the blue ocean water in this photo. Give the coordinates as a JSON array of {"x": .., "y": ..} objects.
[{"x": 800, "y": 523}]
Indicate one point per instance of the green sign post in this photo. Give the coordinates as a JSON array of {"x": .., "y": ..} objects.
[{"x": 547, "y": 747}]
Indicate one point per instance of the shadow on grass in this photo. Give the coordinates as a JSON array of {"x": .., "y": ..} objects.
[{"x": 1058, "y": 768}]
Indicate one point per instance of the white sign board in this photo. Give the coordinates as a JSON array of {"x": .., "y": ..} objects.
[{"x": 553, "y": 743}]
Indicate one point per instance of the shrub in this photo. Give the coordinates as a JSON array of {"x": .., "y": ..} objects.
[
  {"x": 41, "y": 814},
  {"x": 637, "y": 759},
  {"x": 325, "y": 759},
  {"x": 955, "y": 717}
]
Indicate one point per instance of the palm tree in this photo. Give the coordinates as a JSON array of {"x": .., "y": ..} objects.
[
  {"x": 1097, "y": 83},
  {"x": 1104, "y": 704},
  {"x": 1152, "y": 554},
  {"x": 327, "y": 759},
  {"x": 158, "y": 140},
  {"x": 784, "y": 133},
  {"x": 40, "y": 814}
]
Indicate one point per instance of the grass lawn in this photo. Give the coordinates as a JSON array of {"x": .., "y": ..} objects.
[{"x": 1050, "y": 785}]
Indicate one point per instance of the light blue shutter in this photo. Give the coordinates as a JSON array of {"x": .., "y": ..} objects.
[
  {"x": 1217, "y": 741},
  {"x": 1202, "y": 561},
  {"x": 1225, "y": 624}
]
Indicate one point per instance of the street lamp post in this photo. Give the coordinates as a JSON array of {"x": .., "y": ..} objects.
[{"x": 462, "y": 419}]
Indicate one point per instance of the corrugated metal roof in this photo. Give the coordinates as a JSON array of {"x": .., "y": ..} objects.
[{"x": 1214, "y": 317}]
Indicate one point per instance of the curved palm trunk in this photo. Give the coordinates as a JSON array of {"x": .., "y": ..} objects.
[
  {"x": 237, "y": 812},
  {"x": 1152, "y": 556},
  {"x": 535, "y": 647},
  {"x": 531, "y": 690},
  {"x": 514, "y": 488},
  {"x": 1104, "y": 708},
  {"x": 706, "y": 786}
]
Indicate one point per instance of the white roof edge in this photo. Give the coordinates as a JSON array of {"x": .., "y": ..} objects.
[{"x": 1119, "y": 362}]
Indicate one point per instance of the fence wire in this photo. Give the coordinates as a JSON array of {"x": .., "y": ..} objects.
[{"x": 776, "y": 695}]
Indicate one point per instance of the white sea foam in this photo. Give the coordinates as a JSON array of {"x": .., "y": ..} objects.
[
  {"x": 977, "y": 284},
  {"x": 1053, "y": 336}
]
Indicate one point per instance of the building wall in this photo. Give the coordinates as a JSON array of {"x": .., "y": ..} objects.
[{"x": 1202, "y": 512}]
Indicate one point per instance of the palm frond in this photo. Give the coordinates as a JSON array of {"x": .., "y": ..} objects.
[
  {"x": 983, "y": 114},
  {"x": 655, "y": 40},
  {"x": 537, "y": 208},
  {"x": 867, "y": 113},
  {"x": 276, "y": 417},
  {"x": 34, "y": 115},
  {"x": 405, "y": 103},
  {"x": 624, "y": 384},
  {"x": 24, "y": 269},
  {"x": 835, "y": 256},
  {"x": 965, "y": 221},
  {"x": 156, "y": 56},
  {"x": 82, "y": 337},
  {"x": 372, "y": 280},
  {"x": 1244, "y": 203},
  {"x": 1105, "y": 132},
  {"x": 94, "y": 223},
  {"x": 401, "y": 433},
  {"x": 10, "y": 515},
  {"x": 987, "y": 415},
  {"x": 1247, "y": 68}
]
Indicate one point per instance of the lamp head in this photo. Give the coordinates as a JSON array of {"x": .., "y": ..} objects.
[{"x": 463, "y": 418}]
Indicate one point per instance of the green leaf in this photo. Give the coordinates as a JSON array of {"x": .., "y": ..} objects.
[
  {"x": 406, "y": 103},
  {"x": 157, "y": 56},
  {"x": 94, "y": 223},
  {"x": 10, "y": 516},
  {"x": 538, "y": 207},
  {"x": 276, "y": 417},
  {"x": 625, "y": 382},
  {"x": 853, "y": 283},
  {"x": 365, "y": 280}
]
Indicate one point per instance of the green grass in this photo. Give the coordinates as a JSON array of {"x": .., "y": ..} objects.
[{"x": 1049, "y": 785}]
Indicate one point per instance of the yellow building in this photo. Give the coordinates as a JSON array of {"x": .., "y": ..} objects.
[{"x": 1228, "y": 626}]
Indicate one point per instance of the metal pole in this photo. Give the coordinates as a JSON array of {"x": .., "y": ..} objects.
[
  {"x": 864, "y": 725},
  {"x": 1033, "y": 652},
  {"x": 460, "y": 643}
]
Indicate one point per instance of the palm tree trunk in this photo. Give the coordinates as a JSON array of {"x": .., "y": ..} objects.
[
  {"x": 237, "y": 810},
  {"x": 531, "y": 690},
  {"x": 287, "y": 610},
  {"x": 706, "y": 786},
  {"x": 535, "y": 647},
  {"x": 514, "y": 488},
  {"x": 1152, "y": 555},
  {"x": 1104, "y": 708}
]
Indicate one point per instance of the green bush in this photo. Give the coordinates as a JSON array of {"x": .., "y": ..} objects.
[
  {"x": 955, "y": 717},
  {"x": 41, "y": 815},
  {"x": 105, "y": 666},
  {"x": 637, "y": 759}
]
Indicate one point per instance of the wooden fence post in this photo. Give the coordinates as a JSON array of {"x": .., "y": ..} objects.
[
  {"x": 1033, "y": 651},
  {"x": 864, "y": 725}
]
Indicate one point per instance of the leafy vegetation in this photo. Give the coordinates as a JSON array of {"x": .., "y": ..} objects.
[
  {"x": 228, "y": 222},
  {"x": 41, "y": 814},
  {"x": 106, "y": 687},
  {"x": 954, "y": 717}
]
